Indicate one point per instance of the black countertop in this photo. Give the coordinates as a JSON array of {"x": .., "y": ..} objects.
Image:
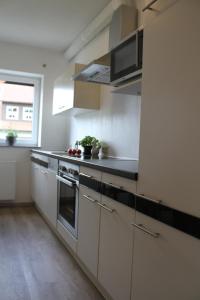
[{"x": 120, "y": 167}]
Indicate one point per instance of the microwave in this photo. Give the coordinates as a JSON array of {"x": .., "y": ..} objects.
[{"x": 126, "y": 59}]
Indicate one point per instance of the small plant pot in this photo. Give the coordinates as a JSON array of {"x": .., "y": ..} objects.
[
  {"x": 10, "y": 140},
  {"x": 87, "y": 151}
]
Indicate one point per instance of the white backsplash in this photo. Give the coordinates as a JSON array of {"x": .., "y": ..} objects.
[{"x": 116, "y": 123}]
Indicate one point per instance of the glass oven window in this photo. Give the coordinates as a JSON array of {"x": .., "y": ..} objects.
[{"x": 67, "y": 203}]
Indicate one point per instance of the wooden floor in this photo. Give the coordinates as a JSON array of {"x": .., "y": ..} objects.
[{"x": 34, "y": 265}]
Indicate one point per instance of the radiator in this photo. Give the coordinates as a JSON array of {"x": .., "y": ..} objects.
[{"x": 7, "y": 180}]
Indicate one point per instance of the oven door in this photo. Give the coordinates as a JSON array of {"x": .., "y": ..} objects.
[{"x": 68, "y": 203}]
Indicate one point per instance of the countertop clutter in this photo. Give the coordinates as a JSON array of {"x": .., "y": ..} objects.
[{"x": 120, "y": 167}]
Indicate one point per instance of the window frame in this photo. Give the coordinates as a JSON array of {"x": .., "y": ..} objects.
[{"x": 37, "y": 81}]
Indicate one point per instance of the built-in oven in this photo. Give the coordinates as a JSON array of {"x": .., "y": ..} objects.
[
  {"x": 126, "y": 59},
  {"x": 68, "y": 195}
]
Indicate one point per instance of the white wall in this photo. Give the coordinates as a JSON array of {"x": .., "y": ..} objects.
[
  {"x": 54, "y": 129},
  {"x": 117, "y": 121}
]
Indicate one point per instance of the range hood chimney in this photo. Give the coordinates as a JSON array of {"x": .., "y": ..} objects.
[{"x": 124, "y": 21}]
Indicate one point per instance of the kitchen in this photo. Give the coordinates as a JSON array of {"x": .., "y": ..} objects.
[{"x": 148, "y": 246}]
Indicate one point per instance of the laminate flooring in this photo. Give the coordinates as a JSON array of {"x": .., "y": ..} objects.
[{"x": 34, "y": 265}]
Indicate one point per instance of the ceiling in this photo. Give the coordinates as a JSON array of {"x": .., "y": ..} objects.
[{"x": 46, "y": 23}]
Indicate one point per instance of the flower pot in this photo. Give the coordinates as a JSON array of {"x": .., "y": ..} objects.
[
  {"x": 10, "y": 140},
  {"x": 87, "y": 151}
]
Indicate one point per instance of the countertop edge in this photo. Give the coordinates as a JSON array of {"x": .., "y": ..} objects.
[{"x": 117, "y": 172}]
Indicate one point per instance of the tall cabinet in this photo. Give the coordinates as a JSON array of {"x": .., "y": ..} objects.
[
  {"x": 165, "y": 260},
  {"x": 169, "y": 160}
]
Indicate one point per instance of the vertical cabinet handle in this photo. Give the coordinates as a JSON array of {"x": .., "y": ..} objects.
[
  {"x": 89, "y": 198},
  {"x": 143, "y": 228},
  {"x": 111, "y": 210}
]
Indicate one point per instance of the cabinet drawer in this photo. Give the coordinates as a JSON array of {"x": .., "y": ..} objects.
[
  {"x": 119, "y": 182},
  {"x": 91, "y": 173}
]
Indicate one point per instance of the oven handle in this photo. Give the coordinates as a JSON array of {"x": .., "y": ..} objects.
[{"x": 67, "y": 182}]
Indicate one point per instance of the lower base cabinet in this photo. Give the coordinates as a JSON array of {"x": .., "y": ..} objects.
[
  {"x": 44, "y": 191},
  {"x": 88, "y": 228},
  {"x": 51, "y": 207},
  {"x": 115, "y": 249},
  {"x": 164, "y": 267}
]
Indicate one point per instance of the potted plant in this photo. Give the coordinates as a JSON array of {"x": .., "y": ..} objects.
[
  {"x": 11, "y": 137},
  {"x": 87, "y": 144}
]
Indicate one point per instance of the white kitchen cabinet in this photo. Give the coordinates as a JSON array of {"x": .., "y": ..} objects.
[
  {"x": 156, "y": 9},
  {"x": 35, "y": 182},
  {"x": 44, "y": 191},
  {"x": 51, "y": 207},
  {"x": 166, "y": 267},
  {"x": 126, "y": 184},
  {"x": 88, "y": 228},
  {"x": 74, "y": 94},
  {"x": 115, "y": 249},
  {"x": 91, "y": 173},
  {"x": 170, "y": 138}
]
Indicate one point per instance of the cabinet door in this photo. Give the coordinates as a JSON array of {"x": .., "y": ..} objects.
[
  {"x": 115, "y": 249},
  {"x": 42, "y": 185},
  {"x": 88, "y": 228},
  {"x": 35, "y": 184},
  {"x": 51, "y": 203},
  {"x": 157, "y": 10},
  {"x": 166, "y": 267},
  {"x": 170, "y": 137},
  {"x": 34, "y": 169}
]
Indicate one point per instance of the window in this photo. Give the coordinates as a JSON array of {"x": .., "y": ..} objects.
[
  {"x": 20, "y": 95},
  {"x": 12, "y": 112},
  {"x": 27, "y": 113}
]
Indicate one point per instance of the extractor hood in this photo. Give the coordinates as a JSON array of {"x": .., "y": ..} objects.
[
  {"x": 124, "y": 21},
  {"x": 97, "y": 71}
]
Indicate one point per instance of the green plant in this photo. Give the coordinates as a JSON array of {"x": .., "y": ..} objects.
[
  {"x": 87, "y": 141},
  {"x": 11, "y": 133}
]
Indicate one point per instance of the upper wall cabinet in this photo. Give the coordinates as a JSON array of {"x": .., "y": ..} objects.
[{"x": 74, "y": 94}]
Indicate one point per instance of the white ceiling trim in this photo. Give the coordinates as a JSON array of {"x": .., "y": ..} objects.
[{"x": 94, "y": 28}]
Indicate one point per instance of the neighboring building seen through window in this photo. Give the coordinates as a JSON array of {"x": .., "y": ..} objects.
[{"x": 19, "y": 107}]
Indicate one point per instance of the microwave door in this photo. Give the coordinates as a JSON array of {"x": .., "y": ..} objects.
[{"x": 124, "y": 59}]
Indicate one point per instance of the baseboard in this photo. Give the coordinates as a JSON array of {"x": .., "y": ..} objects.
[{"x": 11, "y": 203}]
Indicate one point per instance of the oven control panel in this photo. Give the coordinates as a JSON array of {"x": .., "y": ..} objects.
[{"x": 69, "y": 169}]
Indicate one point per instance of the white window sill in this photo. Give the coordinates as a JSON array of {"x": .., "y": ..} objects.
[{"x": 5, "y": 145}]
